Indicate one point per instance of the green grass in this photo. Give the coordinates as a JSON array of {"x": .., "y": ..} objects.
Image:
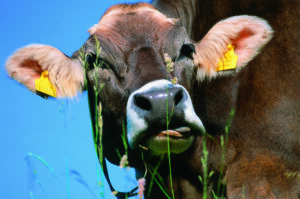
[
  {"x": 98, "y": 130},
  {"x": 168, "y": 119}
]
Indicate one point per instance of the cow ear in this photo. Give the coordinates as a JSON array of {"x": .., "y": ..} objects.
[
  {"x": 244, "y": 36},
  {"x": 28, "y": 64}
]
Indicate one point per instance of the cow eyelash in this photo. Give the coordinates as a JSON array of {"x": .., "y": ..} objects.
[
  {"x": 187, "y": 50},
  {"x": 95, "y": 61}
]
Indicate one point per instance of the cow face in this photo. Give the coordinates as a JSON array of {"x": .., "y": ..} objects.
[
  {"x": 132, "y": 80},
  {"x": 135, "y": 45}
]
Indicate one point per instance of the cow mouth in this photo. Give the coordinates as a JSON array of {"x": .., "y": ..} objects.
[
  {"x": 176, "y": 133},
  {"x": 172, "y": 140}
]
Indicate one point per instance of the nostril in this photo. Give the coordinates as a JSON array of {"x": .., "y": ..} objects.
[
  {"x": 178, "y": 97},
  {"x": 142, "y": 102}
]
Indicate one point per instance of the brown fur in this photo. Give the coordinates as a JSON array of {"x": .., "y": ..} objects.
[{"x": 265, "y": 94}]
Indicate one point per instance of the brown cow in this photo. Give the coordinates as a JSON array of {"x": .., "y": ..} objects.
[{"x": 260, "y": 154}]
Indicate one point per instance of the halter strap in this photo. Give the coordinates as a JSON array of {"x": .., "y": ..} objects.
[{"x": 119, "y": 195}]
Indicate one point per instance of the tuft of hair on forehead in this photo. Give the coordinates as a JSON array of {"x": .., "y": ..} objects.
[{"x": 130, "y": 9}]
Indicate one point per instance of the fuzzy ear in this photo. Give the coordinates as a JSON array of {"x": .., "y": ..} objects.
[
  {"x": 247, "y": 34},
  {"x": 27, "y": 64}
]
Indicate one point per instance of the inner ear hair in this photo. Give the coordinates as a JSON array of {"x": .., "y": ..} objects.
[
  {"x": 248, "y": 34},
  {"x": 27, "y": 64}
]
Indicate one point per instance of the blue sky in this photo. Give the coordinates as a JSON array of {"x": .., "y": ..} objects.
[{"x": 46, "y": 146}]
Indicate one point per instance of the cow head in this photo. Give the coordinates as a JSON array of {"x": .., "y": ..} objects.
[{"x": 133, "y": 82}]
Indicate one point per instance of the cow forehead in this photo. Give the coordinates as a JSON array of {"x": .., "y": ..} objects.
[
  {"x": 129, "y": 20},
  {"x": 126, "y": 28}
]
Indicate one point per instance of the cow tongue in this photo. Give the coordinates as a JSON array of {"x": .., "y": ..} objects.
[{"x": 175, "y": 133}]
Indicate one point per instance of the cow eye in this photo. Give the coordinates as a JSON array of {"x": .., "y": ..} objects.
[
  {"x": 187, "y": 50},
  {"x": 95, "y": 61}
]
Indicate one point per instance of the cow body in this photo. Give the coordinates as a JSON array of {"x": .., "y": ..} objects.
[
  {"x": 265, "y": 95},
  {"x": 252, "y": 153}
]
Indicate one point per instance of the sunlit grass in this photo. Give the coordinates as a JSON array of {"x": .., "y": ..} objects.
[
  {"x": 170, "y": 68},
  {"x": 98, "y": 129}
]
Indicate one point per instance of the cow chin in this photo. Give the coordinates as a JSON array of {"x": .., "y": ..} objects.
[
  {"x": 146, "y": 113},
  {"x": 158, "y": 145}
]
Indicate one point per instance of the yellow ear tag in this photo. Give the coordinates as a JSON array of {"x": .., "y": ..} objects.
[
  {"x": 229, "y": 61},
  {"x": 44, "y": 85}
]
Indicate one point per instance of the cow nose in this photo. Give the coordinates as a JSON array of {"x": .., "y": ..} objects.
[
  {"x": 158, "y": 101},
  {"x": 156, "y": 106}
]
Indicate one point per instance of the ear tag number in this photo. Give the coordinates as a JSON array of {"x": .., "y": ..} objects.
[
  {"x": 44, "y": 85},
  {"x": 229, "y": 61}
]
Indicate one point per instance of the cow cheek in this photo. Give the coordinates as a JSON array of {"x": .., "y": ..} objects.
[
  {"x": 184, "y": 72},
  {"x": 113, "y": 101},
  {"x": 113, "y": 98},
  {"x": 98, "y": 78}
]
